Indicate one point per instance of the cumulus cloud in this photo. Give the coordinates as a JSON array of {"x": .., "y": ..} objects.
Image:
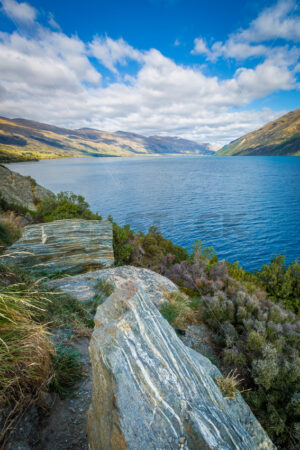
[
  {"x": 19, "y": 12},
  {"x": 50, "y": 77},
  {"x": 111, "y": 52},
  {"x": 280, "y": 21}
]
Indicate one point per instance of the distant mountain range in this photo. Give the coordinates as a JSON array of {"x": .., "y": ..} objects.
[
  {"x": 22, "y": 139},
  {"x": 280, "y": 137}
]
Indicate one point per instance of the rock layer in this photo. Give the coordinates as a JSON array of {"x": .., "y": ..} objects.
[
  {"x": 20, "y": 190},
  {"x": 150, "y": 391},
  {"x": 83, "y": 286},
  {"x": 64, "y": 246}
]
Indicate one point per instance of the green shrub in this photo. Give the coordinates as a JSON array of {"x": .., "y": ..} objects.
[
  {"x": 9, "y": 233},
  {"x": 261, "y": 339},
  {"x": 178, "y": 311},
  {"x": 65, "y": 205},
  {"x": 67, "y": 371},
  {"x": 282, "y": 282},
  {"x": 123, "y": 249}
]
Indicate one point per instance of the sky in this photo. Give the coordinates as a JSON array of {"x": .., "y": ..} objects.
[{"x": 206, "y": 71}]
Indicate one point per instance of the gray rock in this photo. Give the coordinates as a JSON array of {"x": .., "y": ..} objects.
[
  {"x": 20, "y": 190},
  {"x": 150, "y": 391},
  {"x": 83, "y": 286},
  {"x": 63, "y": 246}
]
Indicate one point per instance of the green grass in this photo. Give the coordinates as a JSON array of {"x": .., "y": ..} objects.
[{"x": 67, "y": 371}]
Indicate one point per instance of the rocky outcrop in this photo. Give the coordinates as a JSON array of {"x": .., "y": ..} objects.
[
  {"x": 150, "y": 391},
  {"x": 83, "y": 286},
  {"x": 20, "y": 190},
  {"x": 64, "y": 246}
]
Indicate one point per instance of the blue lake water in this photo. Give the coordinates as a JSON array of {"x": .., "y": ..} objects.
[{"x": 248, "y": 208}]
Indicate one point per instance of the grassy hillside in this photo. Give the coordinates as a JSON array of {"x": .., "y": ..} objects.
[
  {"x": 22, "y": 140},
  {"x": 280, "y": 137}
]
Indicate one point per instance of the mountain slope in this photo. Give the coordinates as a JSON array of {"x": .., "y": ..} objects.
[
  {"x": 22, "y": 139},
  {"x": 280, "y": 137}
]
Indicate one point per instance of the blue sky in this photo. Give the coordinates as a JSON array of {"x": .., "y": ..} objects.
[{"x": 207, "y": 71}]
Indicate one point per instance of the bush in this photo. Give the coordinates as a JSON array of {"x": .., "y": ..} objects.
[
  {"x": 65, "y": 205},
  {"x": 282, "y": 282},
  {"x": 178, "y": 311},
  {"x": 149, "y": 250},
  {"x": 261, "y": 339},
  {"x": 10, "y": 231}
]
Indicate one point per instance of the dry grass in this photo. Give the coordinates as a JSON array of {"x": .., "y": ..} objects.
[
  {"x": 25, "y": 351},
  {"x": 229, "y": 385}
]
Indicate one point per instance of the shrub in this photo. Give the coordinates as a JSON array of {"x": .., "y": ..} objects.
[
  {"x": 10, "y": 230},
  {"x": 65, "y": 205},
  {"x": 282, "y": 282},
  {"x": 261, "y": 339},
  {"x": 178, "y": 310},
  {"x": 123, "y": 249}
]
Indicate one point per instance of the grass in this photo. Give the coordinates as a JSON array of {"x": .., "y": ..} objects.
[
  {"x": 103, "y": 289},
  {"x": 29, "y": 363},
  {"x": 67, "y": 371},
  {"x": 229, "y": 385}
]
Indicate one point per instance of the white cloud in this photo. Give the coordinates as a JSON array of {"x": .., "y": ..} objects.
[
  {"x": 277, "y": 21},
  {"x": 111, "y": 52},
  {"x": 200, "y": 47},
  {"x": 50, "y": 77},
  {"x": 19, "y": 12}
]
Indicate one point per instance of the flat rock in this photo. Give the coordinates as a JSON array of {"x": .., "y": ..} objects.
[
  {"x": 64, "y": 246},
  {"x": 83, "y": 286},
  {"x": 150, "y": 391},
  {"x": 20, "y": 190}
]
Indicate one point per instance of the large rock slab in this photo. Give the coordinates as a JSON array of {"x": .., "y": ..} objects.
[
  {"x": 64, "y": 246},
  {"x": 150, "y": 391},
  {"x": 83, "y": 286},
  {"x": 20, "y": 190}
]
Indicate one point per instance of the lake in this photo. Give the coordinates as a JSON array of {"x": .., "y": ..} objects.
[{"x": 248, "y": 208}]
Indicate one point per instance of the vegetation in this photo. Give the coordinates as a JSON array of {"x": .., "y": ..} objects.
[
  {"x": 282, "y": 282},
  {"x": 254, "y": 318},
  {"x": 149, "y": 250},
  {"x": 280, "y": 137},
  {"x": 67, "y": 371},
  {"x": 229, "y": 385},
  {"x": 255, "y": 333},
  {"x": 29, "y": 362},
  {"x": 65, "y": 205}
]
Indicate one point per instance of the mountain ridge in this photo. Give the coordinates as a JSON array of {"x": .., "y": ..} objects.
[
  {"x": 23, "y": 139},
  {"x": 280, "y": 137}
]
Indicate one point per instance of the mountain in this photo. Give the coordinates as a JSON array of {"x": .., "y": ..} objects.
[
  {"x": 280, "y": 137},
  {"x": 22, "y": 139}
]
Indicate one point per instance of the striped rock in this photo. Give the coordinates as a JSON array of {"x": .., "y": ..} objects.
[
  {"x": 83, "y": 286},
  {"x": 150, "y": 391},
  {"x": 63, "y": 246}
]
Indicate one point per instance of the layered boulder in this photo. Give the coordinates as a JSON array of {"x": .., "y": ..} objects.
[
  {"x": 64, "y": 246},
  {"x": 83, "y": 287},
  {"x": 20, "y": 190},
  {"x": 150, "y": 391}
]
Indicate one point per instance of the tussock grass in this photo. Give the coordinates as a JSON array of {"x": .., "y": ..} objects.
[
  {"x": 67, "y": 371},
  {"x": 229, "y": 385}
]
